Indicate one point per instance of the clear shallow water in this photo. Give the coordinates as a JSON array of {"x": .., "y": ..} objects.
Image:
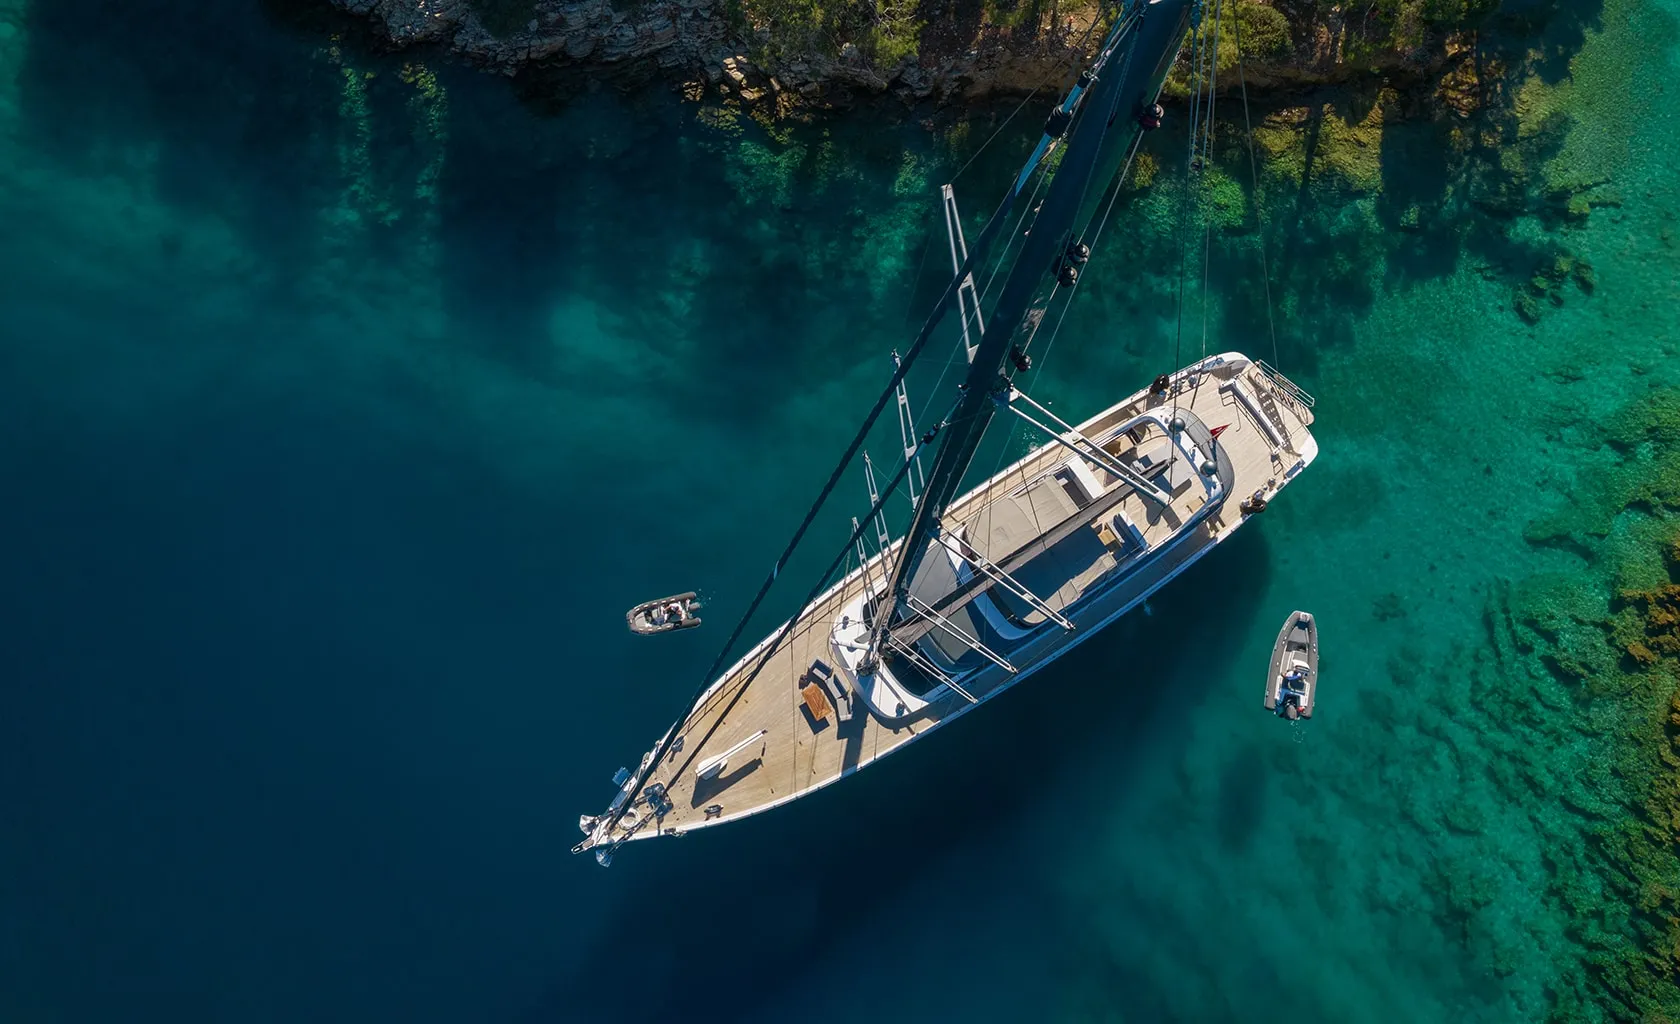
[{"x": 341, "y": 420}]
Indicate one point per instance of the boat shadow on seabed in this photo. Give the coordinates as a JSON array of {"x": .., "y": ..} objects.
[{"x": 782, "y": 890}]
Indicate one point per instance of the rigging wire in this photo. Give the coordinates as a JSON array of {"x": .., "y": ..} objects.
[
  {"x": 1259, "y": 210},
  {"x": 1015, "y": 232},
  {"x": 1119, "y": 182},
  {"x": 1067, "y": 81},
  {"x": 887, "y": 394},
  {"x": 1044, "y": 169},
  {"x": 1189, "y": 188},
  {"x": 996, "y": 132},
  {"x": 1108, "y": 123},
  {"x": 1192, "y": 195},
  {"x": 1043, "y": 173},
  {"x": 787, "y": 627},
  {"x": 986, "y": 505},
  {"x": 921, "y": 268},
  {"x": 1209, "y": 127},
  {"x": 655, "y": 757},
  {"x": 1203, "y": 132}
]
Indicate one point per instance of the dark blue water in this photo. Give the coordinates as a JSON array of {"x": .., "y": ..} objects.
[
  {"x": 346, "y": 400},
  {"x": 330, "y": 478}
]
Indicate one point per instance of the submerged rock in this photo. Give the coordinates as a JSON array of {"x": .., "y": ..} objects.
[{"x": 1547, "y": 285}]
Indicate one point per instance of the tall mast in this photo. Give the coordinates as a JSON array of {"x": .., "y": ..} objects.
[{"x": 1128, "y": 75}]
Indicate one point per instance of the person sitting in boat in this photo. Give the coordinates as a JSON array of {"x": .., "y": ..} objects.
[
  {"x": 674, "y": 611},
  {"x": 1293, "y": 687},
  {"x": 657, "y": 615}
]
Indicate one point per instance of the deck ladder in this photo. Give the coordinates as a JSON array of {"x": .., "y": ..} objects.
[
  {"x": 881, "y": 535},
  {"x": 968, "y": 300},
  {"x": 914, "y": 480}
]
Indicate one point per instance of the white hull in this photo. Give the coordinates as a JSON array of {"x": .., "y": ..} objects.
[{"x": 791, "y": 752}]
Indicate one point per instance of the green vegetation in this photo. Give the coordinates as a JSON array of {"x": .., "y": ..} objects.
[
  {"x": 1012, "y": 14},
  {"x": 1645, "y": 476},
  {"x": 428, "y": 109},
  {"x": 1388, "y": 27},
  {"x": 1250, "y": 32},
  {"x": 1546, "y": 286},
  {"x": 365, "y": 196},
  {"x": 882, "y": 33},
  {"x": 1261, "y": 30},
  {"x": 1641, "y": 869},
  {"x": 1301, "y": 142},
  {"x": 1613, "y": 642}
]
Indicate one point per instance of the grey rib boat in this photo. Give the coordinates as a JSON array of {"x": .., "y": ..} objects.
[
  {"x": 665, "y": 615},
  {"x": 1292, "y": 684}
]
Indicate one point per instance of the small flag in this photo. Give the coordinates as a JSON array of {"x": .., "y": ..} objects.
[{"x": 1216, "y": 431}]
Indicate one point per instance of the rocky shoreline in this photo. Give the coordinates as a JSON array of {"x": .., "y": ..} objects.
[{"x": 957, "y": 58}]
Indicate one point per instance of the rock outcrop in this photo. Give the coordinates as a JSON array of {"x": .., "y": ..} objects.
[
  {"x": 670, "y": 33},
  {"x": 694, "y": 39},
  {"x": 699, "y": 42}
]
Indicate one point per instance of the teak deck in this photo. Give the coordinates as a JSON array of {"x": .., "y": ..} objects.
[{"x": 804, "y": 745}]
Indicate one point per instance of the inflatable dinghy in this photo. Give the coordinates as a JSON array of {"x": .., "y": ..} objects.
[
  {"x": 1292, "y": 685},
  {"x": 665, "y": 615}
]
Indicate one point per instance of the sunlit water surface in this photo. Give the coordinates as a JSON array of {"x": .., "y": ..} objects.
[{"x": 346, "y": 403}]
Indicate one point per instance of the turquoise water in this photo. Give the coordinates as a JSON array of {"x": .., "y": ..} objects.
[{"x": 345, "y": 406}]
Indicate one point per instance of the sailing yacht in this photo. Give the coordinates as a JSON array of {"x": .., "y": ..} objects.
[{"x": 989, "y": 586}]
